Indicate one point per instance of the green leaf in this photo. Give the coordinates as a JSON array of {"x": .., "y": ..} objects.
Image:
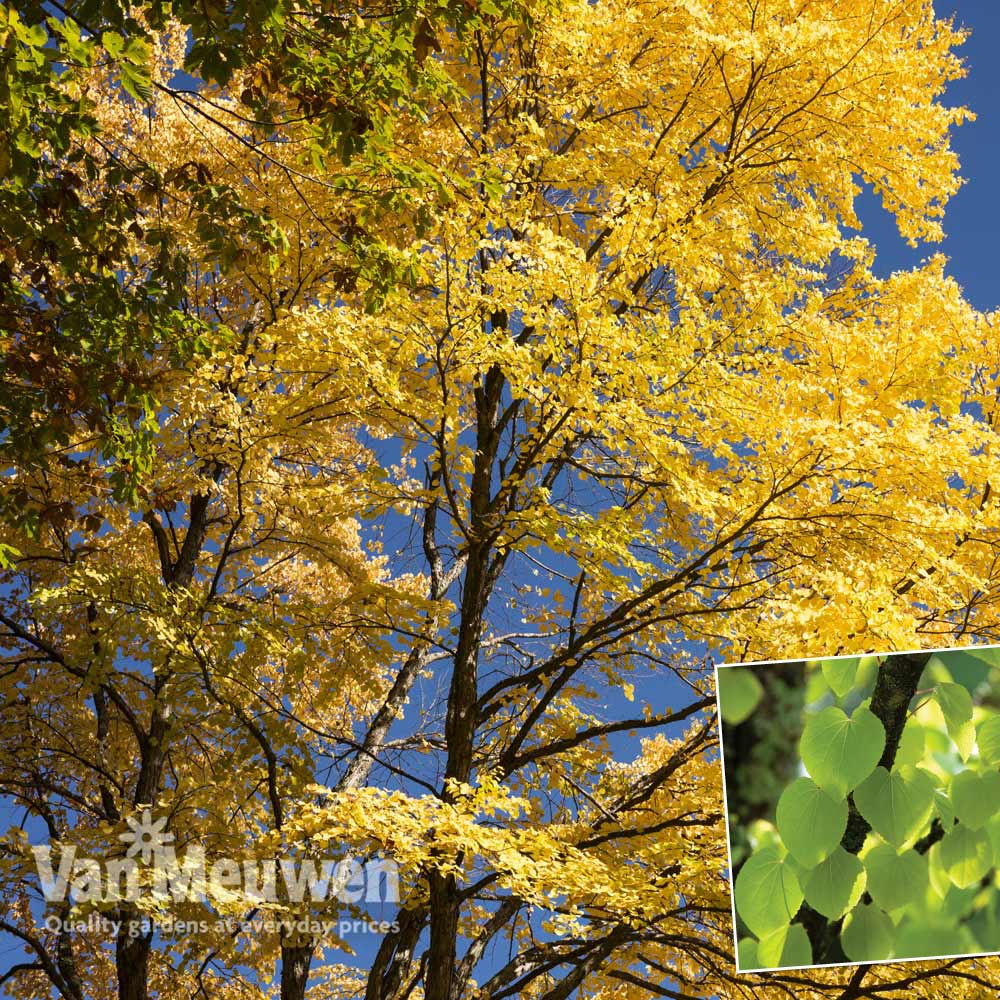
[
  {"x": 836, "y": 885},
  {"x": 761, "y": 834},
  {"x": 955, "y": 703},
  {"x": 920, "y": 939},
  {"x": 768, "y": 894},
  {"x": 37, "y": 36},
  {"x": 976, "y": 797},
  {"x": 937, "y": 876},
  {"x": 746, "y": 955},
  {"x": 894, "y": 880},
  {"x": 898, "y": 805},
  {"x": 136, "y": 81},
  {"x": 739, "y": 694},
  {"x": 944, "y": 807},
  {"x": 113, "y": 42},
  {"x": 7, "y": 555},
  {"x": 990, "y": 655},
  {"x": 965, "y": 740},
  {"x": 912, "y": 745},
  {"x": 784, "y": 947},
  {"x": 993, "y": 830},
  {"x": 867, "y": 670},
  {"x": 966, "y": 855},
  {"x": 810, "y": 821},
  {"x": 988, "y": 737},
  {"x": 838, "y": 752},
  {"x": 867, "y": 934},
  {"x": 956, "y": 904},
  {"x": 137, "y": 51},
  {"x": 841, "y": 673},
  {"x": 968, "y": 667}
]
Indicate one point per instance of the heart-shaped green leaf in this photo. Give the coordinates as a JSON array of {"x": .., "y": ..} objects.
[
  {"x": 938, "y": 877},
  {"x": 976, "y": 797},
  {"x": 840, "y": 752},
  {"x": 787, "y": 946},
  {"x": 897, "y": 804},
  {"x": 895, "y": 880},
  {"x": 921, "y": 939},
  {"x": 912, "y": 746},
  {"x": 840, "y": 673},
  {"x": 739, "y": 694},
  {"x": 988, "y": 737},
  {"x": 966, "y": 855},
  {"x": 810, "y": 821},
  {"x": 867, "y": 934},
  {"x": 993, "y": 831},
  {"x": 746, "y": 955},
  {"x": 943, "y": 805},
  {"x": 767, "y": 892},
  {"x": 955, "y": 703},
  {"x": 834, "y": 886},
  {"x": 956, "y": 903}
]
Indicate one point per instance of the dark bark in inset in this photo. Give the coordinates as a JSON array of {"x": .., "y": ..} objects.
[{"x": 894, "y": 690}]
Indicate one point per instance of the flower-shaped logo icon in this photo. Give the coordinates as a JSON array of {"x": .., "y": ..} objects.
[{"x": 146, "y": 837}]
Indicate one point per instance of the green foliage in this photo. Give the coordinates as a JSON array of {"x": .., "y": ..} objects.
[
  {"x": 895, "y": 880},
  {"x": 739, "y": 694},
  {"x": 918, "y": 877},
  {"x": 835, "y": 885},
  {"x": 966, "y": 855},
  {"x": 810, "y": 821},
  {"x": 786, "y": 946},
  {"x": 988, "y": 739},
  {"x": 867, "y": 935},
  {"x": 840, "y": 673},
  {"x": 92, "y": 286},
  {"x": 768, "y": 893},
  {"x": 897, "y": 804},
  {"x": 975, "y": 797},
  {"x": 956, "y": 707},
  {"x": 840, "y": 752}
]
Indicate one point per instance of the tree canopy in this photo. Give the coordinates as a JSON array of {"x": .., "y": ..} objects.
[{"x": 502, "y": 395}]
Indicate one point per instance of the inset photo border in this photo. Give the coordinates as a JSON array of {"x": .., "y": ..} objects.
[{"x": 862, "y": 801}]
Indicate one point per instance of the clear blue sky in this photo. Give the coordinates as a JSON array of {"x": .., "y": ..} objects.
[{"x": 972, "y": 217}]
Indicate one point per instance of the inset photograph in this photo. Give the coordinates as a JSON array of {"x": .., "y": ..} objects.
[{"x": 863, "y": 807}]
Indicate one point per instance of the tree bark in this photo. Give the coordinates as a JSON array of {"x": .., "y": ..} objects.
[
  {"x": 894, "y": 690},
  {"x": 296, "y": 961}
]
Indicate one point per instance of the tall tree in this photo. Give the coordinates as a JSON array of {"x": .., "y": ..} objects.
[{"x": 645, "y": 403}]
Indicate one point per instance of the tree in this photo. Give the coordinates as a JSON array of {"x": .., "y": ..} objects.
[
  {"x": 91, "y": 283},
  {"x": 646, "y": 403}
]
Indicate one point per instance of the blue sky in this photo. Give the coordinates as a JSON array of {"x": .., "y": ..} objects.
[{"x": 972, "y": 217}]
